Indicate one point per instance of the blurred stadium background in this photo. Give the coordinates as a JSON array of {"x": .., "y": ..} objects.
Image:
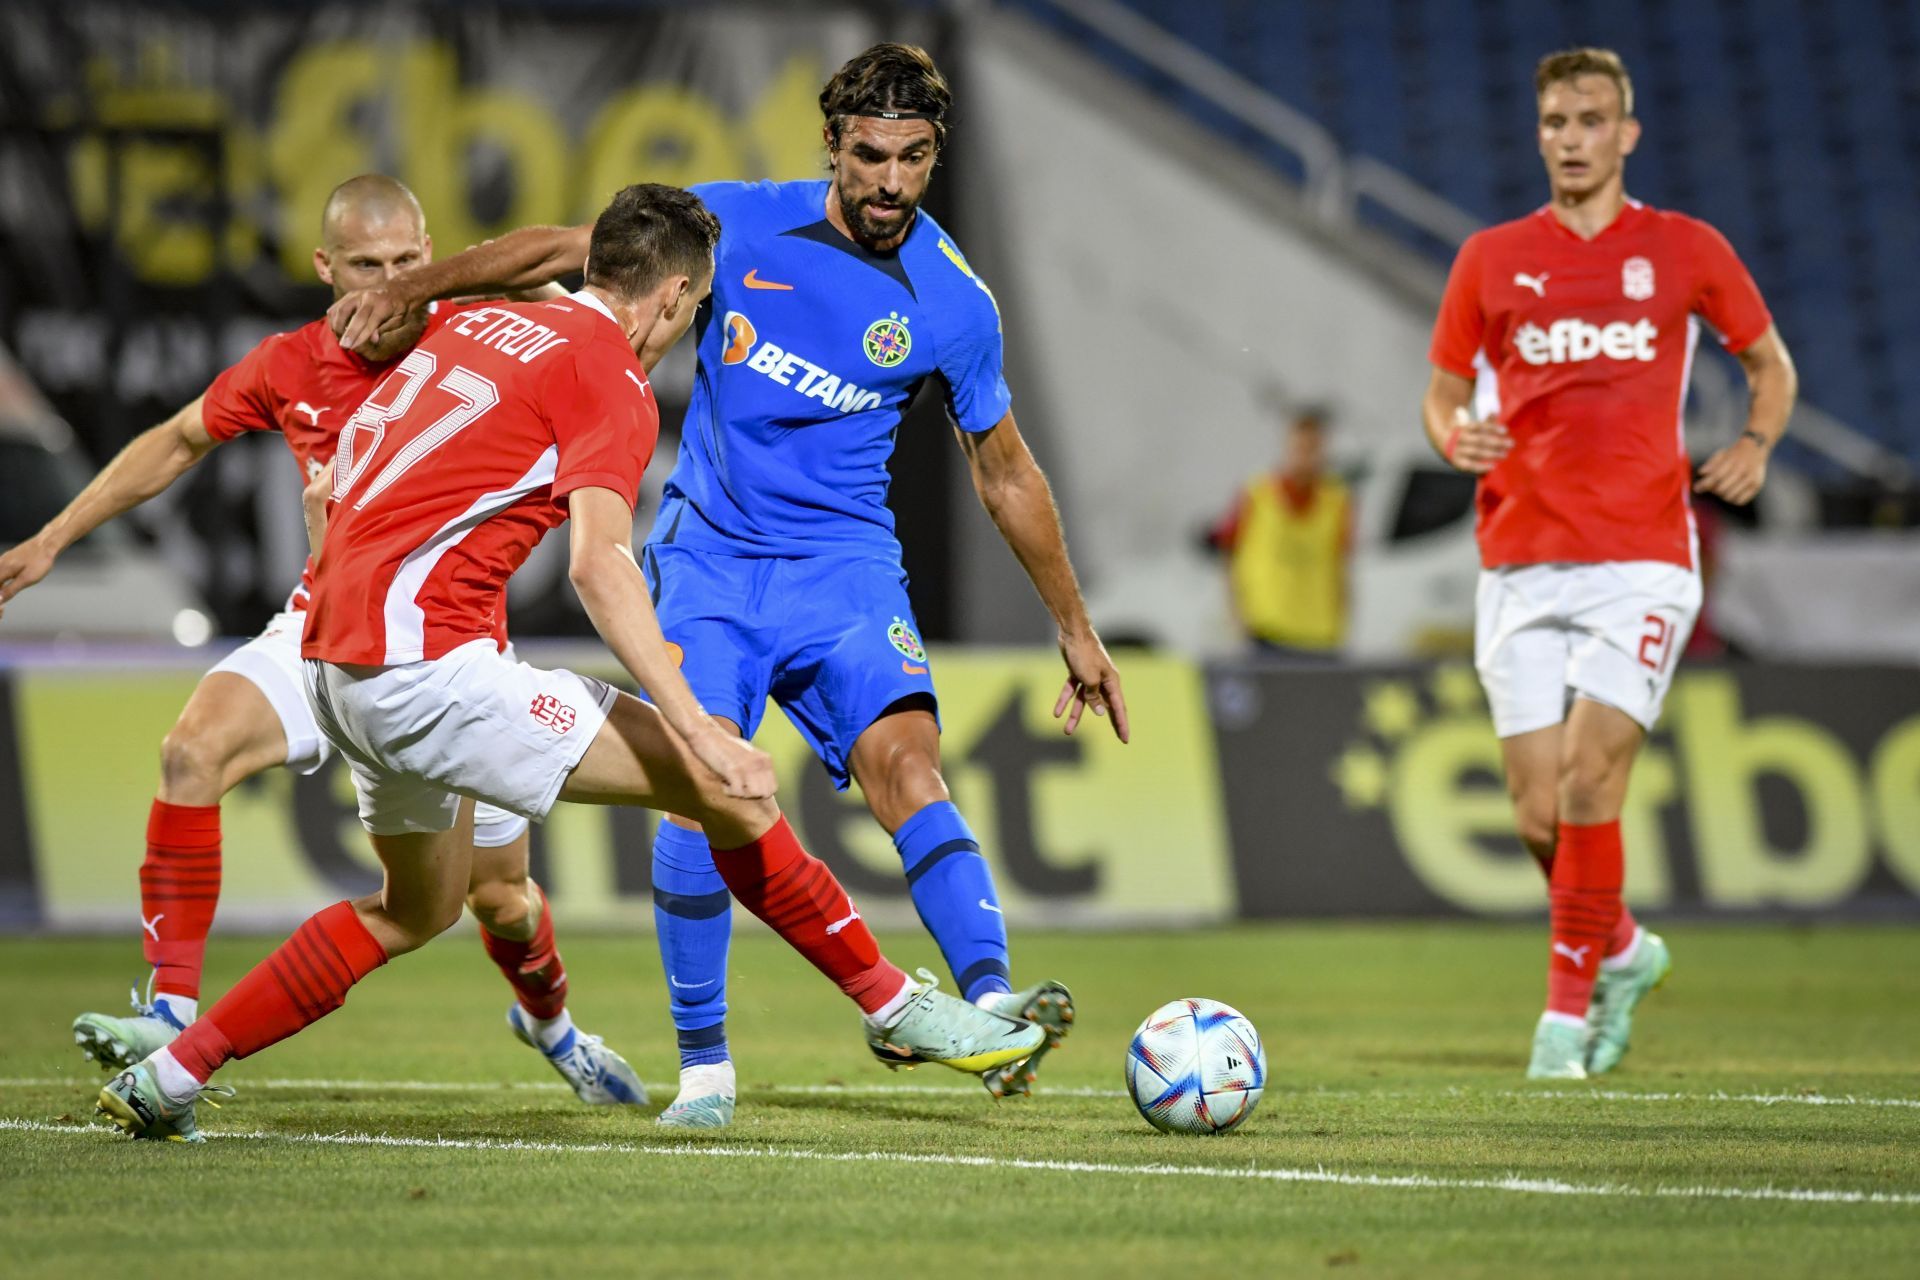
[{"x": 1190, "y": 213}]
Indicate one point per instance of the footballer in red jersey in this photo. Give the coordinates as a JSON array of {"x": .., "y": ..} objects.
[
  {"x": 250, "y": 712},
  {"x": 500, "y": 426},
  {"x": 1560, "y": 365}
]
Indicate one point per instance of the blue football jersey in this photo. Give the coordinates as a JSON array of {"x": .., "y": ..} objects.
[{"x": 810, "y": 349}]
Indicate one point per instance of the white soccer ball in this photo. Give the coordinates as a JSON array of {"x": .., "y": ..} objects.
[{"x": 1196, "y": 1066}]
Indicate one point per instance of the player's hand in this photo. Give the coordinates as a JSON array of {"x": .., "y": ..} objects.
[
  {"x": 1093, "y": 684},
  {"x": 1473, "y": 446},
  {"x": 1735, "y": 473},
  {"x": 313, "y": 504},
  {"x": 745, "y": 770},
  {"x": 367, "y": 321},
  {"x": 23, "y": 565}
]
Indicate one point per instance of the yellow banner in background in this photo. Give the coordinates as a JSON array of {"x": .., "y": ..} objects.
[{"x": 1080, "y": 831}]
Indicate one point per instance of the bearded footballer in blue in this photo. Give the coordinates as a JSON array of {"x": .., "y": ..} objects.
[{"x": 773, "y": 560}]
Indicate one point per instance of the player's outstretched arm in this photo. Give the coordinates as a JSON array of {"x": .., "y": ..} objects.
[
  {"x": 517, "y": 262},
  {"x": 1015, "y": 493},
  {"x": 1737, "y": 472},
  {"x": 1467, "y": 443},
  {"x": 155, "y": 459},
  {"x": 612, "y": 588}
]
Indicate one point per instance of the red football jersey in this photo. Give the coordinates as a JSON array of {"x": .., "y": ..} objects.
[
  {"x": 304, "y": 385},
  {"x": 1583, "y": 349},
  {"x": 459, "y": 462}
]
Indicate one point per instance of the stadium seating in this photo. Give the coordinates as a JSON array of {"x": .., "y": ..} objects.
[{"x": 1792, "y": 125}]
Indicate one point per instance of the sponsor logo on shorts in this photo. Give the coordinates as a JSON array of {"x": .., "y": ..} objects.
[
  {"x": 553, "y": 713},
  {"x": 887, "y": 341},
  {"x": 901, "y": 636}
]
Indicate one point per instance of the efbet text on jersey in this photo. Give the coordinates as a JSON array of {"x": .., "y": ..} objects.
[
  {"x": 1571, "y": 341},
  {"x": 783, "y": 367}
]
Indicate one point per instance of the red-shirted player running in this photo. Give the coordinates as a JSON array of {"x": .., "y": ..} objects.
[
  {"x": 250, "y": 712},
  {"x": 501, "y": 425},
  {"x": 1578, "y": 323}
]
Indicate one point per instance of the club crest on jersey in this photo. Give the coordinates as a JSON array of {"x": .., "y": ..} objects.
[
  {"x": 887, "y": 341},
  {"x": 1636, "y": 279},
  {"x": 901, "y": 636}
]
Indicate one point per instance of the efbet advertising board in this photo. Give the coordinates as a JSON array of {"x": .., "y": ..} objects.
[
  {"x": 1080, "y": 831},
  {"x": 1764, "y": 789},
  {"x": 1248, "y": 791}
]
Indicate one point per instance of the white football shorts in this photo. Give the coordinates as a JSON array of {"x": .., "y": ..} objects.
[
  {"x": 271, "y": 663},
  {"x": 472, "y": 722},
  {"x": 1612, "y": 633}
]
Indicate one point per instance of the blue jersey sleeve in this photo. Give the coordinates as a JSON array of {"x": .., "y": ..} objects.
[{"x": 971, "y": 361}]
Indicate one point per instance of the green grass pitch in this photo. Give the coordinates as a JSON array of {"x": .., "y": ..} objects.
[{"x": 1767, "y": 1122}]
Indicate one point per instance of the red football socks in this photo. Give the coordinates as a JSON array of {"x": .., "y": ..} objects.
[
  {"x": 532, "y": 967},
  {"x": 303, "y": 981},
  {"x": 801, "y": 900},
  {"x": 179, "y": 889},
  {"x": 1623, "y": 929},
  {"x": 1585, "y": 909}
]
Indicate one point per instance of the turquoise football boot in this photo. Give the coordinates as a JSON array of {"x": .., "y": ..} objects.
[
  {"x": 117, "y": 1043},
  {"x": 1048, "y": 1006},
  {"x": 705, "y": 1100},
  {"x": 937, "y": 1027},
  {"x": 1616, "y": 995},
  {"x": 1559, "y": 1050},
  {"x": 134, "y": 1101}
]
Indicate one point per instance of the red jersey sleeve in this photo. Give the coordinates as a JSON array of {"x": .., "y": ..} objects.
[
  {"x": 1727, "y": 298},
  {"x": 604, "y": 420},
  {"x": 1461, "y": 326},
  {"x": 241, "y": 398}
]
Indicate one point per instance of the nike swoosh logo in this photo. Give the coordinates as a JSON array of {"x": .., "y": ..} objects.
[
  {"x": 753, "y": 281},
  {"x": 988, "y": 906},
  {"x": 691, "y": 986}
]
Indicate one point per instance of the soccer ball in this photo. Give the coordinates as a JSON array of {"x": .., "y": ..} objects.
[{"x": 1196, "y": 1066}]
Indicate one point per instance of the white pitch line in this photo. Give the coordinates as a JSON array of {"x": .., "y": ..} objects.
[
  {"x": 1081, "y": 1091},
  {"x": 1396, "y": 1182}
]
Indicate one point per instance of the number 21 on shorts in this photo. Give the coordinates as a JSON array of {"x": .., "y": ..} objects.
[{"x": 1656, "y": 644}]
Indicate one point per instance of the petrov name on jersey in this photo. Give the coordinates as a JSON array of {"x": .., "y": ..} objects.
[
  {"x": 508, "y": 333},
  {"x": 792, "y": 370}
]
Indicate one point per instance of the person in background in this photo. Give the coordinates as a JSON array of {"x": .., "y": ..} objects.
[{"x": 1289, "y": 541}]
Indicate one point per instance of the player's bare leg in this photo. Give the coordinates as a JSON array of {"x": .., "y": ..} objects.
[
  {"x": 306, "y": 978},
  {"x": 896, "y": 761},
  {"x": 227, "y": 733},
  {"x": 636, "y": 759},
  {"x": 516, "y": 928}
]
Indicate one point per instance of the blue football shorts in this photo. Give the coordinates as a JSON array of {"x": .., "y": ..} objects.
[{"x": 830, "y": 638}]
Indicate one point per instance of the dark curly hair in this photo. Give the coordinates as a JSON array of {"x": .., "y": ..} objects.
[{"x": 887, "y": 77}]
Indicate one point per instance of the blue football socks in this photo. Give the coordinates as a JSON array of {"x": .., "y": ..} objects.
[
  {"x": 693, "y": 916},
  {"x": 953, "y": 892}
]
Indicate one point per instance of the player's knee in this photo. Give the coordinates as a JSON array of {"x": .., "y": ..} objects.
[
  {"x": 193, "y": 756},
  {"x": 499, "y": 903},
  {"x": 1588, "y": 786},
  {"x": 909, "y": 782}
]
